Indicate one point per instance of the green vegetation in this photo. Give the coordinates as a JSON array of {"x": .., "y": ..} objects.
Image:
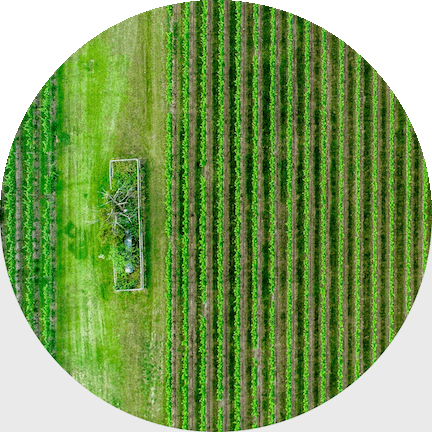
[
  {"x": 237, "y": 229},
  {"x": 168, "y": 222},
  {"x": 185, "y": 216},
  {"x": 341, "y": 215},
  {"x": 375, "y": 219},
  {"x": 408, "y": 217},
  {"x": 220, "y": 208},
  {"x": 283, "y": 190},
  {"x": 9, "y": 192},
  {"x": 202, "y": 219},
  {"x": 392, "y": 216},
  {"x": 48, "y": 179},
  {"x": 254, "y": 383},
  {"x": 29, "y": 150},
  {"x": 357, "y": 220},
  {"x": 306, "y": 227},
  {"x": 289, "y": 134},
  {"x": 323, "y": 212}
]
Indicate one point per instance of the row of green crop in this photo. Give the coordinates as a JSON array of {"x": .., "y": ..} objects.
[
  {"x": 185, "y": 216},
  {"x": 47, "y": 219},
  {"x": 391, "y": 223},
  {"x": 237, "y": 229},
  {"x": 425, "y": 211},
  {"x": 290, "y": 167},
  {"x": 272, "y": 214},
  {"x": 408, "y": 217},
  {"x": 254, "y": 383},
  {"x": 357, "y": 218},
  {"x": 323, "y": 213},
  {"x": 9, "y": 196},
  {"x": 375, "y": 218},
  {"x": 169, "y": 215},
  {"x": 202, "y": 228},
  {"x": 28, "y": 154},
  {"x": 341, "y": 214},
  {"x": 220, "y": 208},
  {"x": 306, "y": 227}
]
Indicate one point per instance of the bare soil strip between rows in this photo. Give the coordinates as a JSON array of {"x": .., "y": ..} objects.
[
  {"x": 36, "y": 214},
  {"x": 226, "y": 220},
  {"x": 193, "y": 282},
  {"x": 345, "y": 320},
  {"x": 211, "y": 410},
  {"x": 176, "y": 315},
  {"x": 260, "y": 239},
  {"x": 243, "y": 234},
  {"x": 327, "y": 242},
  {"x": 362, "y": 149},
  {"x": 19, "y": 219},
  {"x": 295, "y": 150},
  {"x": 312, "y": 221},
  {"x": 278, "y": 370}
]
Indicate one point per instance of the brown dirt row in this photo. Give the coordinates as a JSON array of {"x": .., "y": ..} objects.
[
  {"x": 380, "y": 245},
  {"x": 278, "y": 330},
  {"x": 260, "y": 237},
  {"x": 36, "y": 213},
  {"x": 312, "y": 222},
  {"x": 327, "y": 243},
  {"x": 362, "y": 149},
  {"x": 176, "y": 301},
  {"x": 193, "y": 283},
  {"x": 387, "y": 295},
  {"x": 244, "y": 262},
  {"x": 346, "y": 335},
  {"x": 295, "y": 151},
  {"x": 211, "y": 408},
  {"x": 226, "y": 222},
  {"x": 19, "y": 217},
  {"x": 53, "y": 226}
]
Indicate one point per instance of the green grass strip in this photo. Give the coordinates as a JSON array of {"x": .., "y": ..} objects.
[
  {"x": 392, "y": 210},
  {"x": 341, "y": 214},
  {"x": 254, "y": 383},
  {"x": 202, "y": 227},
  {"x": 306, "y": 227},
  {"x": 357, "y": 219},
  {"x": 375, "y": 220},
  {"x": 168, "y": 222},
  {"x": 323, "y": 214},
  {"x": 290, "y": 167},
  {"x": 272, "y": 215},
  {"x": 185, "y": 216},
  {"x": 237, "y": 229},
  {"x": 408, "y": 217},
  {"x": 220, "y": 209}
]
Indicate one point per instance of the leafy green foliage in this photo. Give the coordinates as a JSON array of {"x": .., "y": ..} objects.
[{"x": 289, "y": 135}]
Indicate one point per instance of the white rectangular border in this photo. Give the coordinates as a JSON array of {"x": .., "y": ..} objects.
[{"x": 141, "y": 246}]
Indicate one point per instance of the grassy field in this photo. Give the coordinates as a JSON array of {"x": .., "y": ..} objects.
[
  {"x": 111, "y": 106},
  {"x": 286, "y": 207}
]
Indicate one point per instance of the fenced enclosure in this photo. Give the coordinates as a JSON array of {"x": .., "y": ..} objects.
[{"x": 125, "y": 253}]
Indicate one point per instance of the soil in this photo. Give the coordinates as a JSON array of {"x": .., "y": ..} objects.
[
  {"x": 176, "y": 301},
  {"x": 226, "y": 222},
  {"x": 260, "y": 237},
  {"x": 19, "y": 220},
  {"x": 278, "y": 250},
  {"x": 208, "y": 174},
  {"x": 295, "y": 152},
  {"x": 193, "y": 283}
]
